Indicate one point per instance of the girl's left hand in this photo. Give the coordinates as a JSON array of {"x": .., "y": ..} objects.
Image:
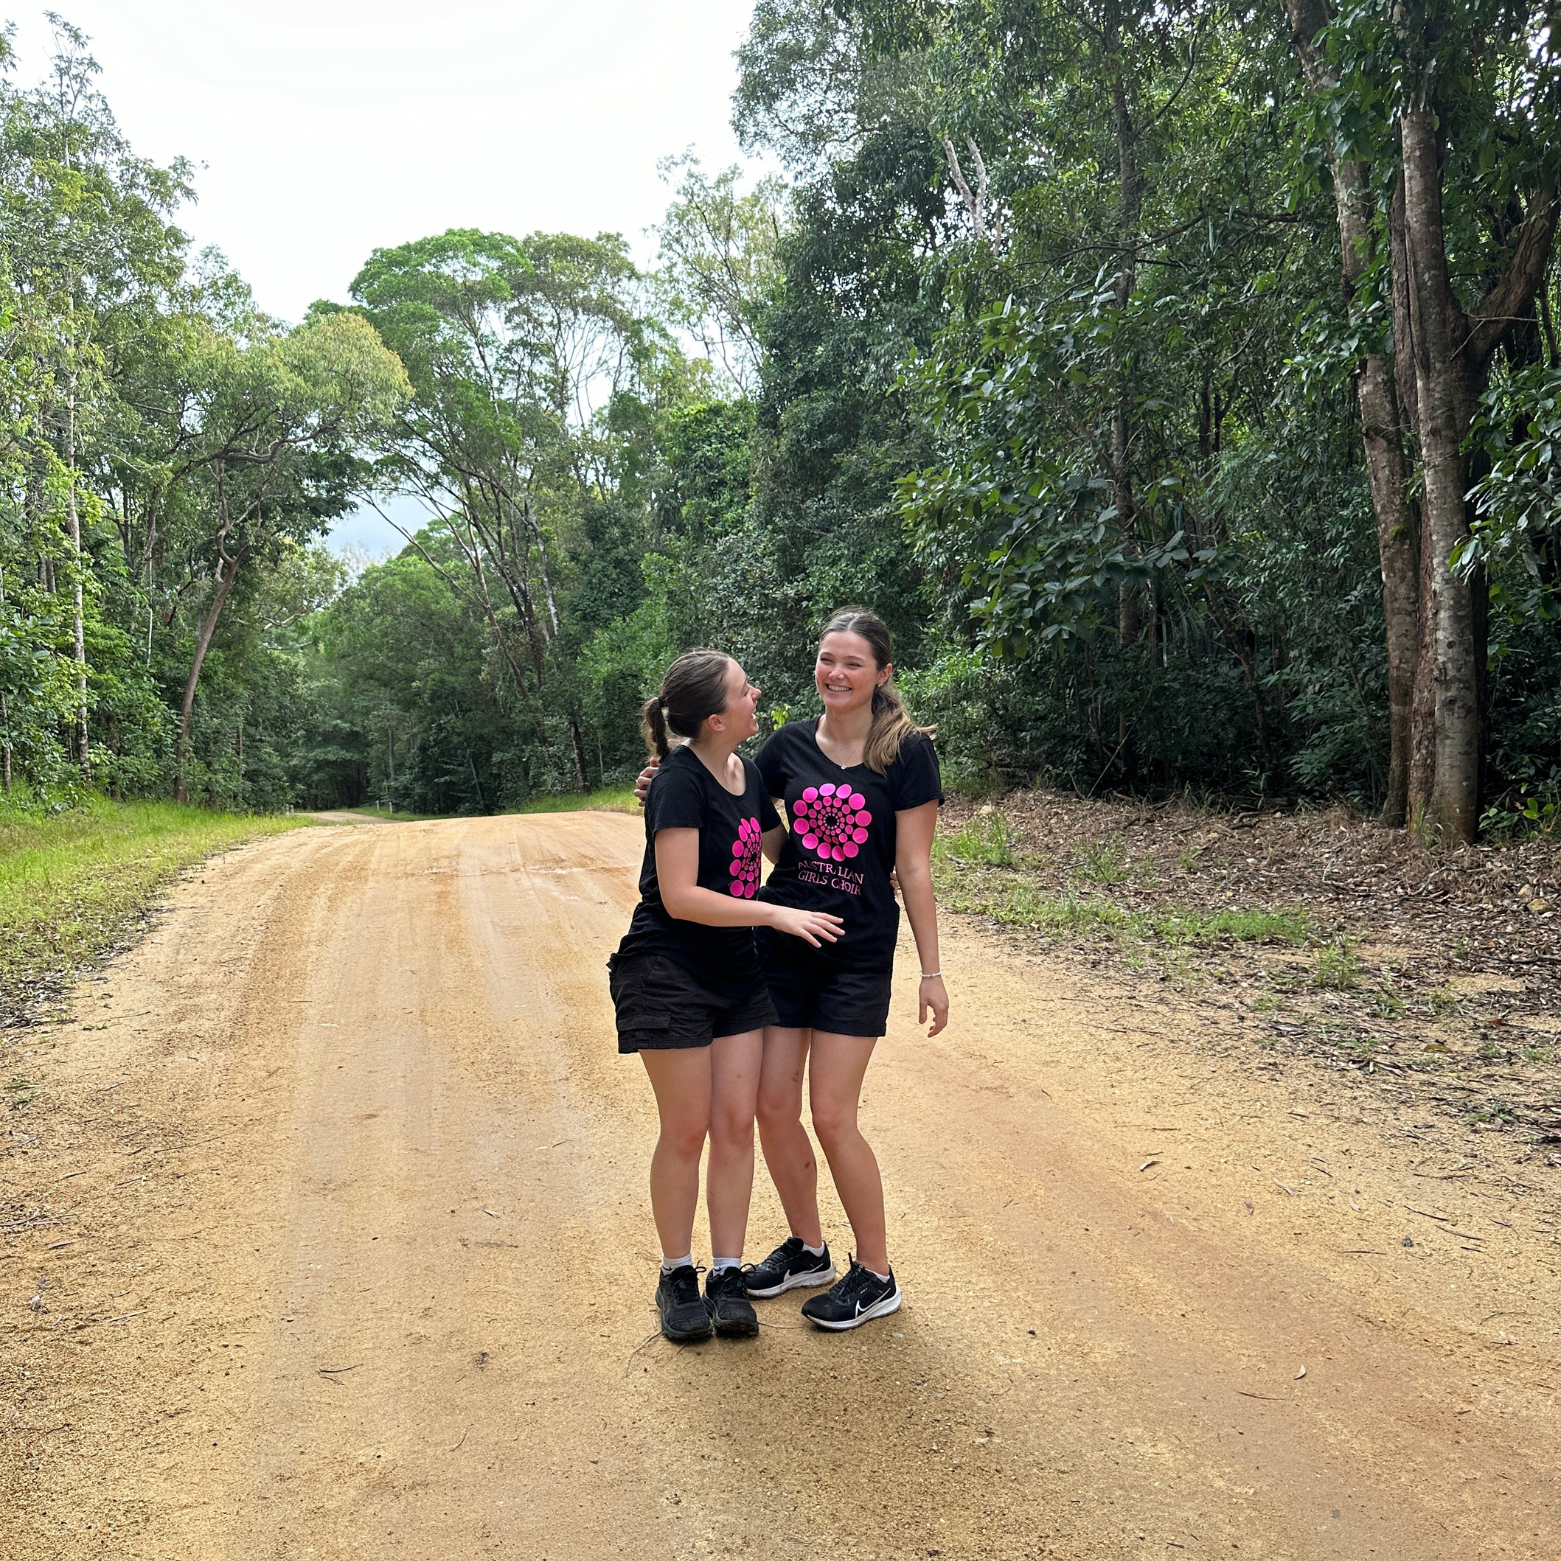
[
  {"x": 934, "y": 996},
  {"x": 643, "y": 779}
]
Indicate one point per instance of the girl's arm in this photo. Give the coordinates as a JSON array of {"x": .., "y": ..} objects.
[
  {"x": 913, "y": 867},
  {"x": 775, "y": 838},
  {"x": 677, "y": 872}
]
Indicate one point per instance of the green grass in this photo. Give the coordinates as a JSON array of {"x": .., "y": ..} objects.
[
  {"x": 1103, "y": 862},
  {"x": 619, "y": 799},
  {"x": 616, "y": 799},
  {"x": 1385, "y": 1002},
  {"x": 1007, "y": 897},
  {"x": 985, "y": 840},
  {"x": 1337, "y": 966},
  {"x": 73, "y": 884},
  {"x": 374, "y": 810}
]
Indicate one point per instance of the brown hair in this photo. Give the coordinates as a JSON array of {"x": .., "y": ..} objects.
[
  {"x": 693, "y": 689},
  {"x": 892, "y": 722}
]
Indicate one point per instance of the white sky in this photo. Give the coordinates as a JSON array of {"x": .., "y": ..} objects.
[{"x": 334, "y": 127}]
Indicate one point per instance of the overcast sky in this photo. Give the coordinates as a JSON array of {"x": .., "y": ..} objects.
[{"x": 333, "y": 127}]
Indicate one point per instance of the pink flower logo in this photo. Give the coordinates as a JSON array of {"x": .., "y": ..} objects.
[
  {"x": 832, "y": 821},
  {"x": 745, "y": 859}
]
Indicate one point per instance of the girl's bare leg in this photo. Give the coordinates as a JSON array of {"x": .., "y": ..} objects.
[
  {"x": 788, "y": 1151},
  {"x": 836, "y": 1068},
  {"x": 681, "y": 1079},
  {"x": 734, "y": 1087}
]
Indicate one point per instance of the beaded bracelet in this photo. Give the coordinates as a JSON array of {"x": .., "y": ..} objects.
[{"x": 931, "y": 975}]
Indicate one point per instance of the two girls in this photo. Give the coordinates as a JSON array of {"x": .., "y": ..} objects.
[{"x": 860, "y": 789}]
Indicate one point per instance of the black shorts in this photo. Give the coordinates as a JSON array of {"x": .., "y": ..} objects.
[
  {"x": 662, "y": 1006},
  {"x": 812, "y": 993}
]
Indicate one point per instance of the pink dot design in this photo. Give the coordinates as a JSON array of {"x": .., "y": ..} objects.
[
  {"x": 832, "y": 822},
  {"x": 745, "y": 859}
]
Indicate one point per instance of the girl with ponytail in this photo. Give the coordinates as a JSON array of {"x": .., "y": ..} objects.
[
  {"x": 859, "y": 789},
  {"x": 686, "y": 983}
]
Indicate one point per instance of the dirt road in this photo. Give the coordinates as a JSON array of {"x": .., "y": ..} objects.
[{"x": 325, "y": 1234}]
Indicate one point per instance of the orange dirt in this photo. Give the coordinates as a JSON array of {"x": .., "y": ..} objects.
[{"x": 326, "y": 1234}]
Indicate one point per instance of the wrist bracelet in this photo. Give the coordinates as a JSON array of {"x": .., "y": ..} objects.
[{"x": 931, "y": 975}]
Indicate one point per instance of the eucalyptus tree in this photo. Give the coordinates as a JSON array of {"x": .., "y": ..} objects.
[
  {"x": 719, "y": 265},
  {"x": 519, "y": 350},
  {"x": 1441, "y": 121}
]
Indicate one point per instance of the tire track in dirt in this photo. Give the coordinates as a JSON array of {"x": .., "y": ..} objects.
[{"x": 384, "y": 1288}]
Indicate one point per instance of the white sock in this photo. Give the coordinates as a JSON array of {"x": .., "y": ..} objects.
[
  {"x": 876, "y": 1275},
  {"x": 718, "y": 1263},
  {"x": 668, "y": 1264},
  {"x": 817, "y": 1251}
]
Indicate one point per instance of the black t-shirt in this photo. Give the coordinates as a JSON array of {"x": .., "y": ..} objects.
[
  {"x": 840, "y": 847},
  {"x": 685, "y": 795}
]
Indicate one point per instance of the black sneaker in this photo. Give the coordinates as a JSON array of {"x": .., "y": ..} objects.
[
  {"x": 787, "y": 1267},
  {"x": 858, "y": 1298},
  {"x": 685, "y": 1318},
  {"x": 727, "y": 1298}
]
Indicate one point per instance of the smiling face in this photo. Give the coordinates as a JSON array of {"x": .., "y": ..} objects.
[
  {"x": 740, "y": 718},
  {"x": 846, "y": 673}
]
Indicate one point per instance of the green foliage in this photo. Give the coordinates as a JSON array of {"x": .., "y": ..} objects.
[
  {"x": 718, "y": 264},
  {"x": 1518, "y": 534},
  {"x": 985, "y": 838},
  {"x": 1103, "y": 862},
  {"x": 1386, "y": 1003}
]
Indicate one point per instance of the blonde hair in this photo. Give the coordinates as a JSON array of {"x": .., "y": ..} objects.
[
  {"x": 693, "y": 690},
  {"x": 892, "y": 722}
]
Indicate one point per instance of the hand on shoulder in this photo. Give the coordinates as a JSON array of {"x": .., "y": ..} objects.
[{"x": 643, "y": 779}]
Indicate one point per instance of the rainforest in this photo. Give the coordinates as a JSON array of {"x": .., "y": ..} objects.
[{"x": 1180, "y": 382}]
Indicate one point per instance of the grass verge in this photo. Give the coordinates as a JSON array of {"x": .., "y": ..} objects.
[
  {"x": 618, "y": 799},
  {"x": 73, "y": 885},
  {"x": 373, "y": 810},
  {"x": 1013, "y": 899},
  {"x": 612, "y": 800}
]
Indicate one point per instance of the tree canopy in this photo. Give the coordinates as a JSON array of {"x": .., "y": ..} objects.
[{"x": 1180, "y": 382}]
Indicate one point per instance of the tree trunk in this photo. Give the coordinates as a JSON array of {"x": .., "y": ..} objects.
[
  {"x": 1129, "y": 203},
  {"x": 1452, "y": 806},
  {"x": 73, "y": 516},
  {"x": 553, "y": 640},
  {"x": 5, "y": 715},
  {"x": 202, "y": 645},
  {"x": 547, "y": 578},
  {"x": 1382, "y": 432}
]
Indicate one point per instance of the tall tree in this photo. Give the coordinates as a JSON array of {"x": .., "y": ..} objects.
[
  {"x": 1383, "y": 434},
  {"x": 518, "y": 351},
  {"x": 718, "y": 264},
  {"x": 1455, "y": 107}
]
